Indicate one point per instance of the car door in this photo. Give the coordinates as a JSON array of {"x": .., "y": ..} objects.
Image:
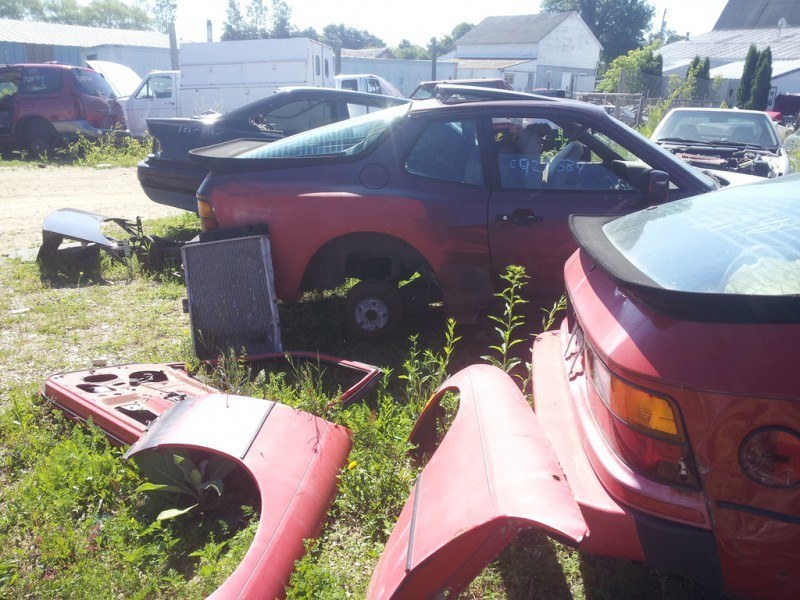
[
  {"x": 155, "y": 98},
  {"x": 548, "y": 166}
]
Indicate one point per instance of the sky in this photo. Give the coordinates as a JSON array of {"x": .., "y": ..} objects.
[{"x": 420, "y": 20}]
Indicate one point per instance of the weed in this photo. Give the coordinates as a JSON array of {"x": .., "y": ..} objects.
[
  {"x": 510, "y": 321},
  {"x": 109, "y": 150},
  {"x": 425, "y": 370}
]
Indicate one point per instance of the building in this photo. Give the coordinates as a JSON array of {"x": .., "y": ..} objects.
[
  {"x": 34, "y": 42},
  {"x": 530, "y": 51},
  {"x": 765, "y": 23}
]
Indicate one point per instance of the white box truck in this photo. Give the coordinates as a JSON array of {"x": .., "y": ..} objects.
[{"x": 221, "y": 76}]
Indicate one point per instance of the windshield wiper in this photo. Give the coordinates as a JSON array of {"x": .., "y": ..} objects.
[
  {"x": 682, "y": 140},
  {"x": 737, "y": 144}
]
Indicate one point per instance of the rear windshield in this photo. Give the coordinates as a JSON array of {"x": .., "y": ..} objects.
[
  {"x": 345, "y": 138},
  {"x": 92, "y": 83},
  {"x": 743, "y": 240}
]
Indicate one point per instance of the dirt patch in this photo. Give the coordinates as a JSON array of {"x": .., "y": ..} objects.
[{"x": 29, "y": 194}]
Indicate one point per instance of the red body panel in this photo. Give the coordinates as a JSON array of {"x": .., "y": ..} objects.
[
  {"x": 726, "y": 379},
  {"x": 493, "y": 475},
  {"x": 294, "y": 459}
]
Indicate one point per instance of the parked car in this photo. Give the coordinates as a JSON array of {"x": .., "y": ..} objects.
[
  {"x": 445, "y": 191},
  {"x": 427, "y": 89},
  {"x": 168, "y": 176},
  {"x": 43, "y": 106},
  {"x": 670, "y": 393},
  {"x": 743, "y": 141}
]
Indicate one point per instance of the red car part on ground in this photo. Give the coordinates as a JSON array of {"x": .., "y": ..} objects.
[{"x": 293, "y": 458}]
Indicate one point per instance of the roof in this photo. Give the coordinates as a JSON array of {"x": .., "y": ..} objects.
[
  {"x": 734, "y": 70},
  {"x": 516, "y": 29},
  {"x": 728, "y": 45},
  {"x": 751, "y": 14},
  {"x": 480, "y": 63},
  {"x": 383, "y": 52},
  {"x": 55, "y": 34}
]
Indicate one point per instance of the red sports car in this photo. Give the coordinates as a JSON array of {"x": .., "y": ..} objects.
[{"x": 670, "y": 395}]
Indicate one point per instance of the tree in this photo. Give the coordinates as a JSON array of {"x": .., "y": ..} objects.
[
  {"x": 250, "y": 25},
  {"x": 447, "y": 43},
  {"x": 759, "y": 97},
  {"x": 99, "y": 13},
  {"x": 340, "y": 36},
  {"x": 164, "y": 12},
  {"x": 619, "y": 25},
  {"x": 641, "y": 67},
  {"x": 748, "y": 75},
  {"x": 281, "y": 20},
  {"x": 408, "y": 51}
]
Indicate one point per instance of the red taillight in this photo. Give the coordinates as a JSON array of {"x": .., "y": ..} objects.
[
  {"x": 643, "y": 428},
  {"x": 771, "y": 456},
  {"x": 206, "y": 213},
  {"x": 80, "y": 111}
]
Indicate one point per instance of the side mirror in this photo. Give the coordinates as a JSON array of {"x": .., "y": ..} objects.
[{"x": 657, "y": 187}]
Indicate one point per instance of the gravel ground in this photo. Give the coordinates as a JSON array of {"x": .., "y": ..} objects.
[{"x": 29, "y": 194}]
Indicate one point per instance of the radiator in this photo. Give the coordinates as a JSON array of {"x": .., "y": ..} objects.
[{"x": 231, "y": 297}]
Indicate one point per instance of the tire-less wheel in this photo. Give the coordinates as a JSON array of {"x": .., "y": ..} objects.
[
  {"x": 39, "y": 140},
  {"x": 373, "y": 309}
]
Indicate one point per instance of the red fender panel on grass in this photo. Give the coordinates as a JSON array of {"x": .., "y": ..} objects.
[{"x": 493, "y": 475}]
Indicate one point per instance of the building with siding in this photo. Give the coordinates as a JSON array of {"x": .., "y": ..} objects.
[
  {"x": 34, "y": 42},
  {"x": 555, "y": 50}
]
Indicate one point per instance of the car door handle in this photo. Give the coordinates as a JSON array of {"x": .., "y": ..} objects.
[{"x": 521, "y": 216}]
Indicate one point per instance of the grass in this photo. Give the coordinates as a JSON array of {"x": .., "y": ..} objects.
[
  {"x": 72, "y": 524},
  {"x": 85, "y": 152}
]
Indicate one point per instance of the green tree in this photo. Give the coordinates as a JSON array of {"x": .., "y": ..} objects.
[
  {"x": 640, "y": 66},
  {"x": 408, "y": 51},
  {"x": 759, "y": 96},
  {"x": 447, "y": 43},
  {"x": 20, "y": 9},
  {"x": 748, "y": 75},
  {"x": 282, "y": 20},
  {"x": 619, "y": 25},
  {"x": 248, "y": 25},
  {"x": 341, "y": 36},
  {"x": 164, "y": 12}
]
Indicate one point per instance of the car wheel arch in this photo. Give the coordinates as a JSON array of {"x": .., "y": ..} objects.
[{"x": 365, "y": 255}]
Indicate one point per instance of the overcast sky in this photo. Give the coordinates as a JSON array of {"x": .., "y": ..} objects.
[{"x": 420, "y": 20}]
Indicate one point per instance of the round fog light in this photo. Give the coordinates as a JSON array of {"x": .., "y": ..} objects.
[{"x": 771, "y": 456}]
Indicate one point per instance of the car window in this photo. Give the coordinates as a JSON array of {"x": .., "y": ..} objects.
[
  {"x": 743, "y": 240},
  {"x": 41, "y": 81},
  {"x": 297, "y": 116},
  {"x": 538, "y": 153},
  {"x": 713, "y": 126},
  {"x": 447, "y": 150},
  {"x": 156, "y": 87},
  {"x": 349, "y": 84},
  {"x": 345, "y": 138},
  {"x": 373, "y": 86},
  {"x": 92, "y": 83},
  {"x": 9, "y": 82}
]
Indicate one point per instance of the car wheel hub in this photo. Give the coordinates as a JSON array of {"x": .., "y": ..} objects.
[{"x": 371, "y": 314}]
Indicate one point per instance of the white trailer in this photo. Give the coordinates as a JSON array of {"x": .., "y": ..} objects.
[{"x": 221, "y": 76}]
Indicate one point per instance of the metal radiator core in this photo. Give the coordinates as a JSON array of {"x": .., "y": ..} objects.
[{"x": 231, "y": 297}]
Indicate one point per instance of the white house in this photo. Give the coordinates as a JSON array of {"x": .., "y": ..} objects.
[{"x": 531, "y": 51}]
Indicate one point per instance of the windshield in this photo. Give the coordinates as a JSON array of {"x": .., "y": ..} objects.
[
  {"x": 667, "y": 156},
  {"x": 345, "y": 138},
  {"x": 719, "y": 126},
  {"x": 743, "y": 240}
]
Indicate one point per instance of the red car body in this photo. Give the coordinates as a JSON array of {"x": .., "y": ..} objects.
[
  {"x": 674, "y": 414},
  {"x": 443, "y": 189},
  {"x": 45, "y": 105},
  {"x": 666, "y": 408}
]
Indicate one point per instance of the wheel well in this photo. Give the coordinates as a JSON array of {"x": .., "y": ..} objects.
[
  {"x": 365, "y": 256},
  {"x": 31, "y": 123}
]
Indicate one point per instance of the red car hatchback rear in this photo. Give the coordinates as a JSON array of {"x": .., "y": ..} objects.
[
  {"x": 670, "y": 394},
  {"x": 46, "y": 105}
]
